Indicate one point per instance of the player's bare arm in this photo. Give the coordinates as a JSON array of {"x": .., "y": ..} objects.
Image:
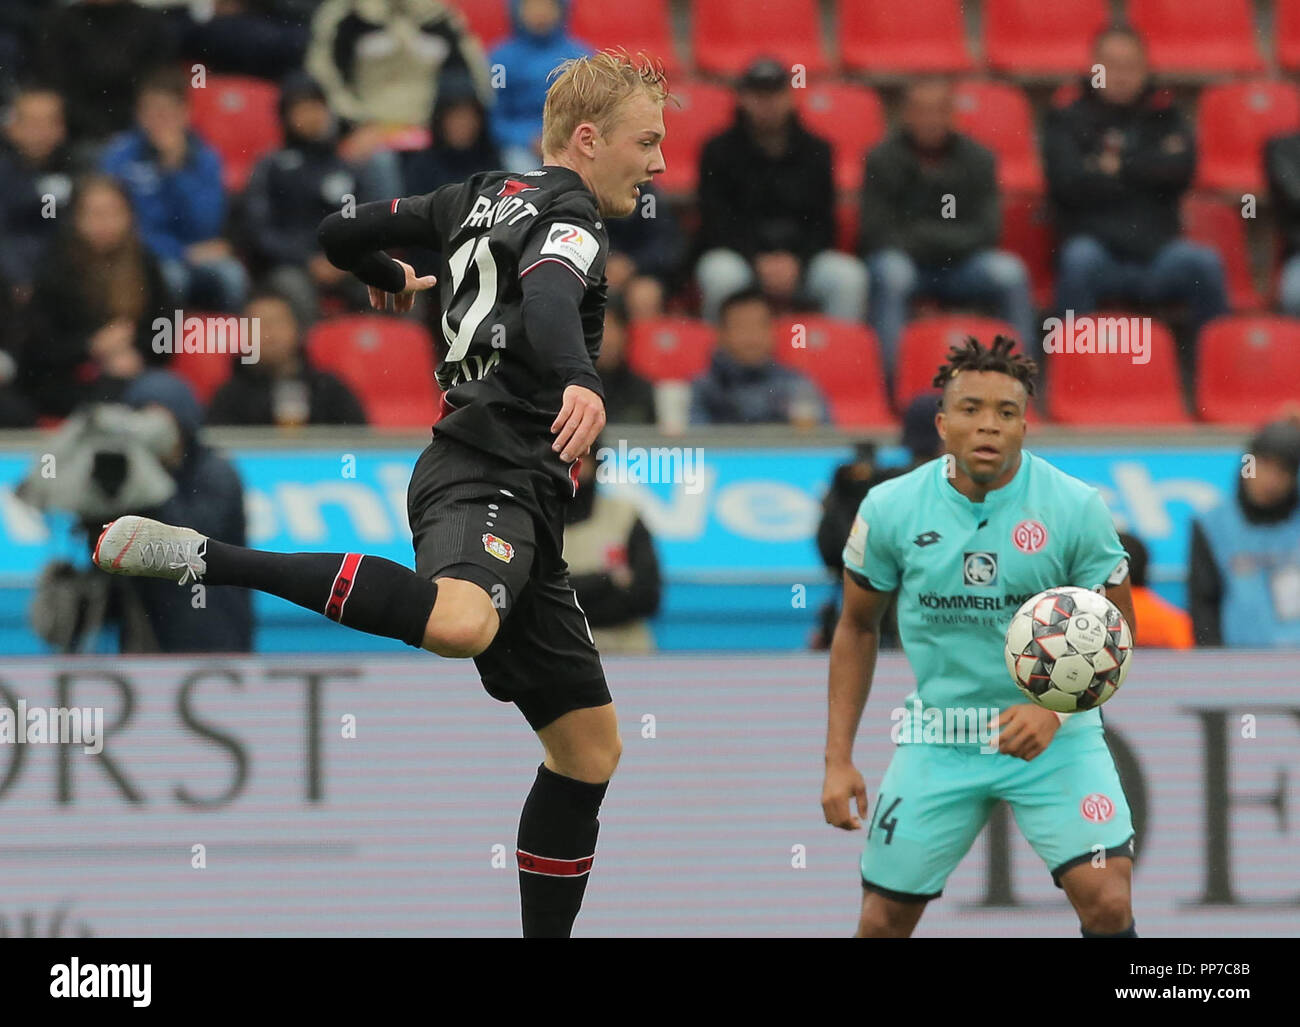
[{"x": 852, "y": 665}]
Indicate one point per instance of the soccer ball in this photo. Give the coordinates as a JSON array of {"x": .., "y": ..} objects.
[{"x": 1068, "y": 649}]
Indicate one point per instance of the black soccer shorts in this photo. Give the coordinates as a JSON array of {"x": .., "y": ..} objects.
[{"x": 477, "y": 518}]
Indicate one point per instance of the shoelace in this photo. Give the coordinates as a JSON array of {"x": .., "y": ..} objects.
[{"x": 175, "y": 555}]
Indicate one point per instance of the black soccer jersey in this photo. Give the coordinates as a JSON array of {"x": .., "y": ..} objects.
[{"x": 501, "y": 394}]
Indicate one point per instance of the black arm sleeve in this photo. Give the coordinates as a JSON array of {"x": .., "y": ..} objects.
[
  {"x": 553, "y": 323},
  {"x": 1204, "y": 591},
  {"x": 357, "y": 243},
  {"x": 608, "y": 604}
]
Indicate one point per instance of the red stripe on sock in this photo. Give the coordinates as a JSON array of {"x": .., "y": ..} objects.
[
  {"x": 342, "y": 586},
  {"x": 553, "y": 867}
]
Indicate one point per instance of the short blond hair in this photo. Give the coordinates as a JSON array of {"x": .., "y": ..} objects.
[{"x": 596, "y": 89}]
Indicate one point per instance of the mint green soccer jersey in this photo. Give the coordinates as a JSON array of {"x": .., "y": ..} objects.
[{"x": 961, "y": 569}]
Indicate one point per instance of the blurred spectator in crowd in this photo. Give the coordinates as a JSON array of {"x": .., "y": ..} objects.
[
  {"x": 629, "y": 398},
  {"x": 645, "y": 255},
  {"x": 174, "y": 180},
  {"x": 1118, "y": 160},
  {"x": 382, "y": 63},
  {"x": 744, "y": 384},
  {"x": 1282, "y": 162},
  {"x": 96, "y": 53},
  {"x": 16, "y": 409},
  {"x": 209, "y": 498},
  {"x": 282, "y": 388},
  {"x": 612, "y": 564},
  {"x": 288, "y": 195},
  {"x": 538, "y": 43},
  {"x": 462, "y": 141},
  {"x": 89, "y": 322},
  {"x": 36, "y": 172},
  {"x": 931, "y": 220},
  {"x": 262, "y": 38},
  {"x": 849, "y": 486},
  {"x": 767, "y": 207},
  {"x": 18, "y": 23},
  {"x": 1243, "y": 579},
  {"x": 1160, "y": 624}
]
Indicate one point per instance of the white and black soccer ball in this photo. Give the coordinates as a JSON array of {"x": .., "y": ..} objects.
[{"x": 1068, "y": 649}]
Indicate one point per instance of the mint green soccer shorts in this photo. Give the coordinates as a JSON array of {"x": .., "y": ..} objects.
[{"x": 934, "y": 800}]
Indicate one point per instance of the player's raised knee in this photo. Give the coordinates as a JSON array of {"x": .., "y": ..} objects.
[
  {"x": 1109, "y": 913},
  {"x": 463, "y": 622}
]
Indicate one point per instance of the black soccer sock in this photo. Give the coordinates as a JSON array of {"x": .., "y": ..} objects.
[
  {"x": 557, "y": 842},
  {"x": 1131, "y": 932},
  {"x": 368, "y": 593}
]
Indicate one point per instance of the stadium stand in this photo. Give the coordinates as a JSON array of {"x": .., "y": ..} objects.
[
  {"x": 843, "y": 359},
  {"x": 1246, "y": 367},
  {"x": 388, "y": 361},
  {"x": 239, "y": 117},
  {"x": 728, "y": 34},
  {"x": 1041, "y": 40},
  {"x": 887, "y": 39}
]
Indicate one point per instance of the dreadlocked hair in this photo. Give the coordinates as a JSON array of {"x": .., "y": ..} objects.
[{"x": 972, "y": 356}]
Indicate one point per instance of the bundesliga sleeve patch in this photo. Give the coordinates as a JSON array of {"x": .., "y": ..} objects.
[
  {"x": 576, "y": 245},
  {"x": 1119, "y": 574},
  {"x": 856, "y": 547}
]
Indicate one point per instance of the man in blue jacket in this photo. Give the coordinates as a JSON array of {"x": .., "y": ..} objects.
[
  {"x": 540, "y": 43},
  {"x": 174, "y": 180}
]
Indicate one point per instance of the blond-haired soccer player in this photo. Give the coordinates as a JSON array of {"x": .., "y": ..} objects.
[{"x": 523, "y": 294}]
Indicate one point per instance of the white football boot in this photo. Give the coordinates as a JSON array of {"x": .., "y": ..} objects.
[{"x": 143, "y": 548}]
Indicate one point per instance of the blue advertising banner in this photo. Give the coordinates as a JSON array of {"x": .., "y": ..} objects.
[{"x": 734, "y": 529}]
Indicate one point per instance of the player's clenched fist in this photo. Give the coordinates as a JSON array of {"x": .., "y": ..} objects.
[
  {"x": 581, "y": 418},
  {"x": 843, "y": 782},
  {"x": 1024, "y": 730}
]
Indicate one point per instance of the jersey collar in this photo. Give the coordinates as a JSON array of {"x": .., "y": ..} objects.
[{"x": 995, "y": 500}]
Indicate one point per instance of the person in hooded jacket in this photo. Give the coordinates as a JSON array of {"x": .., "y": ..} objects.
[
  {"x": 540, "y": 41},
  {"x": 210, "y": 495},
  {"x": 462, "y": 141},
  {"x": 290, "y": 192}
]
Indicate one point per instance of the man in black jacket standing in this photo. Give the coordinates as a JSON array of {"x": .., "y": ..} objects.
[
  {"x": 767, "y": 207},
  {"x": 1119, "y": 157}
]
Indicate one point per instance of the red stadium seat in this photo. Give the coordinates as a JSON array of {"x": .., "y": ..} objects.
[
  {"x": 488, "y": 19},
  {"x": 919, "y": 37},
  {"x": 844, "y": 361},
  {"x": 851, "y": 118},
  {"x": 705, "y": 111},
  {"x": 998, "y": 116},
  {"x": 387, "y": 360},
  {"x": 1220, "y": 225},
  {"x": 727, "y": 35},
  {"x": 642, "y": 26},
  {"x": 925, "y": 344},
  {"x": 205, "y": 372},
  {"x": 1286, "y": 28},
  {"x": 1233, "y": 121},
  {"x": 1027, "y": 231},
  {"x": 670, "y": 348},
  {"x": 1109, "y": 389},
  {"x": 1042, "y": 39},
  {"x": 240, "y": 118},
  {"x": 1246, "y": 368},
  {"x": 1198, "y": 38}
]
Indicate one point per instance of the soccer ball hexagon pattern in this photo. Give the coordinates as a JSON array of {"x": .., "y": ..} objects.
[{"x": 1068, "y": 649}]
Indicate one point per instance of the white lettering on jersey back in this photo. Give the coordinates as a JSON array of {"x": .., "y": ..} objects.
[
  {"x": 485, "y": 214},
  {"x": 573, "y": 243}
]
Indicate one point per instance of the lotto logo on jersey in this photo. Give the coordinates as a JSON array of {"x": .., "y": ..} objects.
[
  {"x": 574, "y": 244},
  {"x": 1029, "y": 536},
  {"x": 1097, "y": 808},
  {"x": 498, "y": 547}
]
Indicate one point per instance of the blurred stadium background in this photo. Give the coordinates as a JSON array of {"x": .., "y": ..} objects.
[{"x": 308, "y": 832}]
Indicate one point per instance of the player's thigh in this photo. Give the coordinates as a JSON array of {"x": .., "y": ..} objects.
[
  {"x": 583, "y": 743},
  {"x": 1069, "y": 803},
  {"x": 931, "y": 806},
  {"x": 1101, "y": 892},
  {"x": 884, "y": 917},
  {"x": 544, "y": 661}
]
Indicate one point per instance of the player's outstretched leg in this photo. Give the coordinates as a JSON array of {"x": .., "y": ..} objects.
[
  {"x": 369, "y": 593},
  {"x": 558, "y": 827}
]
